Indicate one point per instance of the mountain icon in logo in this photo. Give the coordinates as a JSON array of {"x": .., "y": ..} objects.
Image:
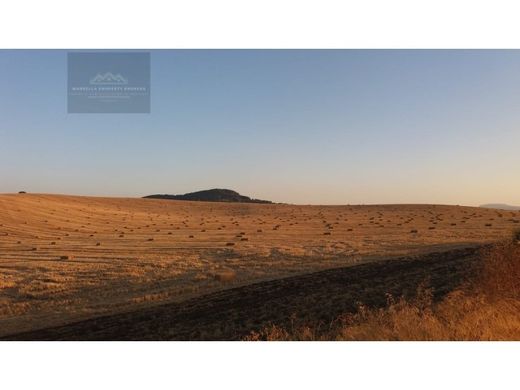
[{"x": 108, "y": 79}]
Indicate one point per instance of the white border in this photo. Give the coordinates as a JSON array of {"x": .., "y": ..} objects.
[
  {"x": 259, "y": 24},
  {"x": 232, "y": 365}
]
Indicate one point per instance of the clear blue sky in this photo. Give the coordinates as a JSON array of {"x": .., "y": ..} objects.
[{"x": 321, "y": 127}]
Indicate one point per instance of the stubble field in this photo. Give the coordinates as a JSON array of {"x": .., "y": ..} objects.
[{"x": 69, "y": 258}]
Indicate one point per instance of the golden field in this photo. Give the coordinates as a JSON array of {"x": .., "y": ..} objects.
[{"x": 69, "y": 258}]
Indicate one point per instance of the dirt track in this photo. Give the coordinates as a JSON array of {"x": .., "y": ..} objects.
[{"x": 312, "y": 298}]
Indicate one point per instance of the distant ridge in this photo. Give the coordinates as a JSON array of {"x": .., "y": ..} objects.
[
  {"x": 500, "y": 206},
  {"x": 213, "y": 195}
]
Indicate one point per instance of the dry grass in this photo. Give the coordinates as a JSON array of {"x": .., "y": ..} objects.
[{"x": 486, "y": 308}]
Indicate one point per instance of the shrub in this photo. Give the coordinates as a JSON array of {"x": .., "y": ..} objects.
[
  {"x": 516, "y": 236},
  {"x": 499, "y": 276}
]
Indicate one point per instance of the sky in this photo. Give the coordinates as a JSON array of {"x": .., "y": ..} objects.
[{"x": 295, "y": 126}]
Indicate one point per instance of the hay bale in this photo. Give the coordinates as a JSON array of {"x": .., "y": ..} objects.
[{"x": 226, "y": 275}]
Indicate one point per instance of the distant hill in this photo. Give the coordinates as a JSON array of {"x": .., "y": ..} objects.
[
  {"x": 500, "y": 206},
  {"x": 213, "y": 195}
]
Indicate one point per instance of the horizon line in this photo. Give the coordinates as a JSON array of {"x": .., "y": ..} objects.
[{"x": 272, "y": 203}]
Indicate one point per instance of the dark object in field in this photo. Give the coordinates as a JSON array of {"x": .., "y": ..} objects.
[{"x": 22, "y": 192}]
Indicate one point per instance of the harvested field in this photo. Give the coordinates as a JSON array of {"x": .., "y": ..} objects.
[
  {"x": 313, "y": 299},
  {"x": 69, "y": 258}
]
